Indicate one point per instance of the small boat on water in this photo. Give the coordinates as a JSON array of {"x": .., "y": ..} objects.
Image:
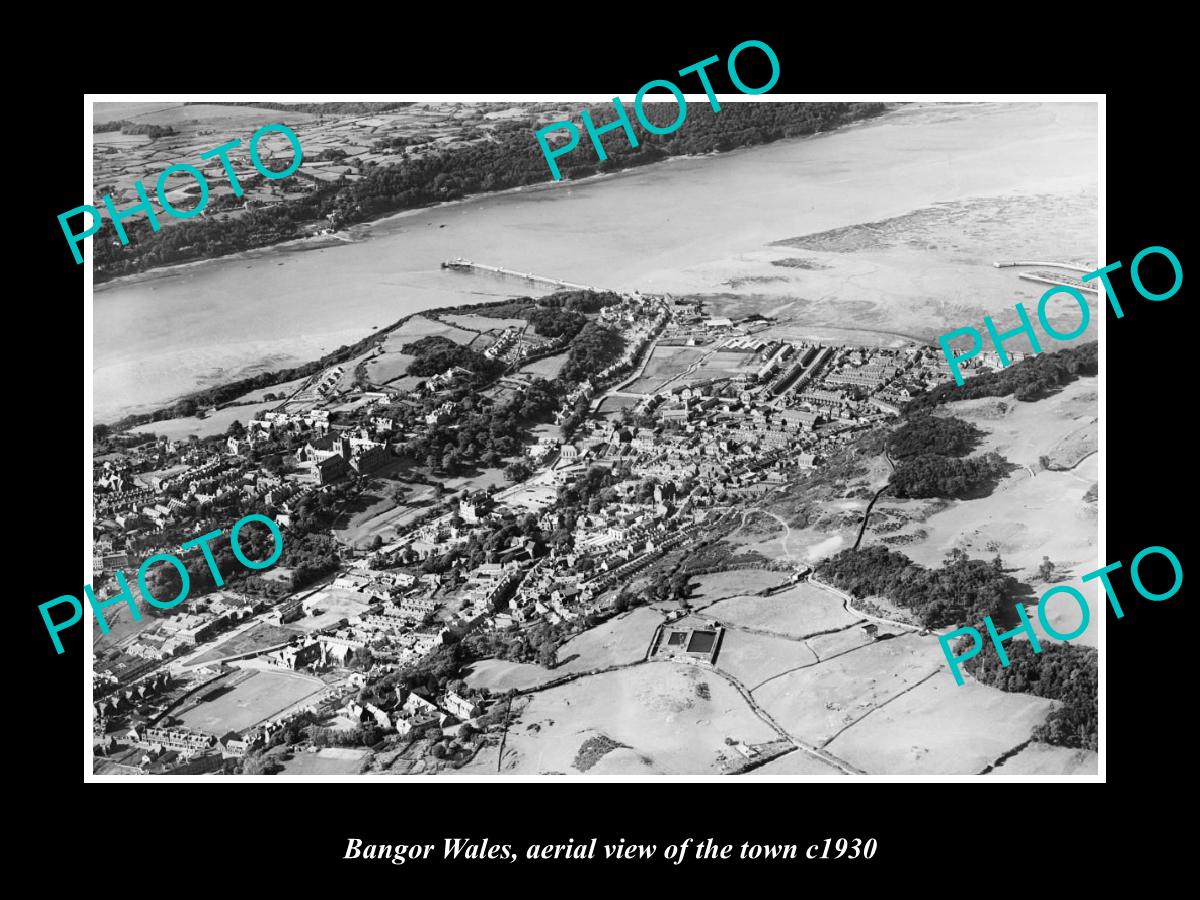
[{"x": 457, "y": 263}]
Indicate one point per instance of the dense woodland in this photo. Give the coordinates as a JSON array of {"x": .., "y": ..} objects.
[
  {"x": 933, "y": 475},
  {"x": 595, "y": 348},
  {"x": 435, "y": 354},
  {"x": 1031, "y": 379},
  {"x": 927, "y": 465},
  {"x": 945, "y": 435},
  {"x": 551, "y": 322},
  {"x": 962, "y": 591},
  {"x": 1063, "y": 672},
  {"x": 512, "y": 158},
  {"x": 481, "y": 434}
]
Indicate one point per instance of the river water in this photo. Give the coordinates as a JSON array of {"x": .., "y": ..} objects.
[{"x": 1023, "y": 177}]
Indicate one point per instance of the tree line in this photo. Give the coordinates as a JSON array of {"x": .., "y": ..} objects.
[
  {"x": 510, "y": 159},
  {"x": 928, "y": 448},
  {"x": 1030, "y": 379},
  {"x": 1064, "y": 672},
  {"x": 961, "y": 591}
]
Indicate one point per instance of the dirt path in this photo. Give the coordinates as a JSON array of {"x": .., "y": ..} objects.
[
  {"x": 913, "y": 686},
  {"x": 845, "y": 598},
  {"x": 879, "y": 493},
  {"x": 828, "y": 758}
]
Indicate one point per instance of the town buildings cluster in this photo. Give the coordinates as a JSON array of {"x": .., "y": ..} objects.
[{"x": 606, "y": 495}]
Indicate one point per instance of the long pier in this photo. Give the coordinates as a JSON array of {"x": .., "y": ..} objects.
[
  {"x": 467, "y": 265},
  {"x": 1053, "y": 265},
  {"x": 1052, "y": 277}
]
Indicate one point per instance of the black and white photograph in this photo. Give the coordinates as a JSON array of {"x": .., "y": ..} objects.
[{"x": 721, "y": 435}]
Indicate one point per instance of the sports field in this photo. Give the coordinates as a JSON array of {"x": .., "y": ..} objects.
[{"x": 250, "y": 701}]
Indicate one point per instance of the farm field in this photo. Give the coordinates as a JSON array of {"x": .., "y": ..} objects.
[
  {"x": 814, "y": 704},
  {"x": 941, "y": 728},
  {"x": 753, "y": 658},
  {"x": 657, "y": 710},
  {"x": 1044, "y": 759},
  {"x": 250, "y": 700},
  {"x": 797, "y": 612}
]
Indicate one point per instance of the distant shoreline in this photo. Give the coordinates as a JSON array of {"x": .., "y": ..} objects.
[{"x": 362, "y": 231}]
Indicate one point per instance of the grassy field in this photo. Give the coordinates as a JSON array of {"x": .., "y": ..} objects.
[
  {"x": 333, "y": 604},
  {"x": 329, "y": 761},
  {"x": 941, "y": 728},
  {"x": 1034, "y": 512},
  {"x": 829, "y": 645},
  {"x": 115, "y": 112},
  {"x": 711, "y": 588},
  {"x": 657, "y": 710},
  {"x": 258, "y": 697},
  {"x": 474, "y": 322},
  {"x": 814, "y": 704},
  {"x": 622, "y": 639},
  {"x": 1021, "y": 432},
  {"x": 418, "y": 327},
  {"x": 673, "y": 367},
  {"x": 231, "y": 116},
  {"x": 217, "y": 423},
  {"x": 286, "y": 389},
  {"x": 795, "y": 763},
  {"x": 383, "y": 517},
  {"x": 392, "y": 363},
  {"x": 752, "y": 658},
  {"x": 499, "y": 675},
  {"x": 260, "y": 636},
  {"x": 664, "y": 364},
  {"x": 388, "y": 366},
  {"x": 799, "y": 611},
  {"x": 1043, "y": 759},
  {"x": 549, "y": 367},
  {"x": 612, "y": 406}
]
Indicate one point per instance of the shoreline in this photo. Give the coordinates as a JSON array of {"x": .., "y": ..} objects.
[{"x": 362, "y": 231}]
